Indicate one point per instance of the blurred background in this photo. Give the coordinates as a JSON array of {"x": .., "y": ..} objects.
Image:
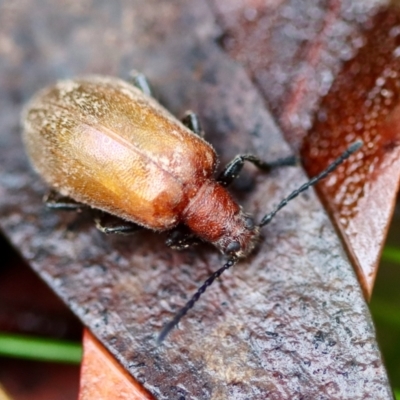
[{"x": 385, "y": 303}]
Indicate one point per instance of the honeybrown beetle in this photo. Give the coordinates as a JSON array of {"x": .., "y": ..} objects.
[{"x": 106, "y": 143}]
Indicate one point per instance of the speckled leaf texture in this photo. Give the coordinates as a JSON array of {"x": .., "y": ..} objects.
[
  {"x": 328, "y": 71},
  {"x": 290, "y": 322}
]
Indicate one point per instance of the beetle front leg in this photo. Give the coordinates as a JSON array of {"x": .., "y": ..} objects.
[
  {"x": 108, "y": 224},
  {"x": 56, "y": 201},
  {"x": 181, "y": 238},
  {"x": 232, "y": 170},
  {"x": 140, "y": 81},
  {"x": 191, "y": 121}
]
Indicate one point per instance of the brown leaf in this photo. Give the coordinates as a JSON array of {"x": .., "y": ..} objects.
[
  {"x": 303, "y": 49},
  {"x": 288, "y": 322}
]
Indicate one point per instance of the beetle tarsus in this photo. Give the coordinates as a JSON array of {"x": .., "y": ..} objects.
[
  {"x": 110, "y": 224},
  {"x": 233, "y": 168},
  {"x": 140, "y": 81},
  {"x": 183, "y": 311},
  {"x": 344, "y": 156},
  {"x": 192, "y": 121},
  {"x": 55, "y": 201},
  {"x": 181, "y": 238}
]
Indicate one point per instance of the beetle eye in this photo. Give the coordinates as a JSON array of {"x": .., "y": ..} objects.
[
  {"x": 249, "y": 223},
  {"x": 233, "y": 247}
]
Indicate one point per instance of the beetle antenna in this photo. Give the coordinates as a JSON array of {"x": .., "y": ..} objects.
[
  {"x": 183, "y": 311},
  {"x": 346, "y": 154},
  {"x": 265, "y": 220}
]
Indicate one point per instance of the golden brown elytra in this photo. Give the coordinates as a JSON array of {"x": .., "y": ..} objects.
[
  {"x": 105, "y": 143},
  {"x": 102, "y": 142}
]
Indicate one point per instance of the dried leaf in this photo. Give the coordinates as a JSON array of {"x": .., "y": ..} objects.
[
  {"x": 363, "y": 103},
  {"x": 103, "y": 378},
  {"x": 288, "y": 322},
  {"x": 304, "y": 46}
]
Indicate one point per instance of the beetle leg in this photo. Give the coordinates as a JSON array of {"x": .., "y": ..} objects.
[
  {"x": 108, "y": 223},
  {"x": 232, "y": 170},
  {"x": 180, "y": 238},
  {"x": 191, "y": 121},
  {"x": 140, "y": 81},
  {"x": 56, "y": 201}
]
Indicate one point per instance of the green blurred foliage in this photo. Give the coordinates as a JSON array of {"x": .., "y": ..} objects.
[
  {"x": 385, "y": 303},
  {"x": 40, "y": 349}
]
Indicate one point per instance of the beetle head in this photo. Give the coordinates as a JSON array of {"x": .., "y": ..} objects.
[{"x": 241, "y": 236}]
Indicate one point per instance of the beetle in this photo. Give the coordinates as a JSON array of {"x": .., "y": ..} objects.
[{"x": 108, "y": 144}]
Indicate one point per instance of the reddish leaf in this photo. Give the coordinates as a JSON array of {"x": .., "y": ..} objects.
[
  {"x": 103, "y": 378},
  {"x": 304, "y": 46},
  {"x": 294, "y": 49},
  {"x": 363, "y": 103}
]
